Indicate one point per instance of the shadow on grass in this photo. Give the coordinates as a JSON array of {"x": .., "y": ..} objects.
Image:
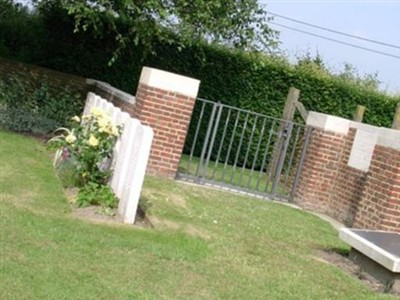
[{"x": 141, "y": 217}]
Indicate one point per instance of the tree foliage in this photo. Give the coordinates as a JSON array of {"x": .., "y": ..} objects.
[
  {"x": 349, "y": 73},
  {"x": 236, "y": 23}
]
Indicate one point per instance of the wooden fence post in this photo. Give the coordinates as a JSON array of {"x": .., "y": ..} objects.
[
  {"x": 288, "y": 114},
  {"x": 359, "y": 113},
  {"x": 302, "y": 110},
  {"x": 396, "y": 119}
]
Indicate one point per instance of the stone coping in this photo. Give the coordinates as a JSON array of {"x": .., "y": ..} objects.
[
  {"x": 170, "y": 82},
  {"x": 385, "y": 137},
  {"x": 112, "y": 91}
]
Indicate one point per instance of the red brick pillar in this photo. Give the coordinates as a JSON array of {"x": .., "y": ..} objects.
[
  {"x": 165, "y": 102},
  {"x": 379, "y": 207},
  {"x": 322, "y": 162}
]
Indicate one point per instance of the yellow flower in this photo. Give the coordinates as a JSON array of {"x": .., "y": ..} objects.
[
  {"x": 97, "y": 112},
  {"x": 70, "y": 138},
  {"x": 93, "y": 141},
  {"x": 85, "y": 118},
  {"x": 76, "y": 119},
  {"x": 103, "y": 122},
  {"x": 115, "y": 131}
]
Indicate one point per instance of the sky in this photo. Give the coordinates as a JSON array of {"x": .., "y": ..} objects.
[{"x": 375, "y": 20}]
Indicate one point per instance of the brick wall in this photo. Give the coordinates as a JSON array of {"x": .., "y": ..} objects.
[
  {"x": 169, "y": 114},
  {"x": 358, "y": 198},
  {"x": 320, "y": 170},
  {"x": 379, "y": 207},
  {"x": 167, "y": 110}
]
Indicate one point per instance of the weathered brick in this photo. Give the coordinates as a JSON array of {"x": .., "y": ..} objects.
[{"x": 362, "y": 199}]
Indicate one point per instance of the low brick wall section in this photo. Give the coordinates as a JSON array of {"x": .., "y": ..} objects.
[
  {"x": 362, "y": 197},
  {"x": 348, "y": 187},
  {"x": 379, "y": 207},
  {"x": 169, "y": 114},
  {"x": 320, "y": 171}
]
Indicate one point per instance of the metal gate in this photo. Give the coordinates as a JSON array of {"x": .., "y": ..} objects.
[{"x": 244, "y": 151}]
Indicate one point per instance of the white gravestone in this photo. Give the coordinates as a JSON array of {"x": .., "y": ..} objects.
[
  {"x": 131, "y": 154},
  {"x": 133, "y": 181}
]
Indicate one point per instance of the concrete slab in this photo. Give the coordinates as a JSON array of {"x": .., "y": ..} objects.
[{"x": 381, "y": 246}]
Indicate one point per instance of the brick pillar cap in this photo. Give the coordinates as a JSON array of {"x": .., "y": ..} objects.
[
  {"x": 170, "y": 82},
  {"x": 328, "y": 122}
]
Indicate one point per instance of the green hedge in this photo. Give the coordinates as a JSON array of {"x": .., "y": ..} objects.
[
  {"x": 255, "y": 82},
  {"x": 32, "y": 103},
  {"x": 260, "y": 83}
]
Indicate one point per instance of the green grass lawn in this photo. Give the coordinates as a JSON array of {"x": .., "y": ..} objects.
[
  {"x": 205, "y": 244},
  {"x": 239, "y": 177}
]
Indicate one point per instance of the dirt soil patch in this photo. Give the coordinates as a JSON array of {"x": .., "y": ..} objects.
[
  {"x": 93, "y": 213},
  {"x": 342, "y": 261}
]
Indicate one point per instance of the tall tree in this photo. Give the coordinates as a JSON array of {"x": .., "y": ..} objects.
[{"x": 236, "y": 23}]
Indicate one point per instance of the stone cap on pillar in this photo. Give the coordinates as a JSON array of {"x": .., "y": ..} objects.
[
  {"x": 328, "y": 123},
  {"x": 170, "y": 82}
]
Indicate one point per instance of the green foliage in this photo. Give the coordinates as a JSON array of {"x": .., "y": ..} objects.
[
  {"x": 240, "y": 24},
  {"x": 21, "y": 32},
  {"x": 66, "y": 171},
  {"x": 252, "y": 81},
  {"x": 24, "y": 121},
  {"x": 84, "y": 158},
  {"x": 31, "y": 104},
  {"x": 260, "y": 83},
  {"x": 350, "y": 74},
  {"x": 96, "y": 194},
  {"x": 89, "y": 145}
]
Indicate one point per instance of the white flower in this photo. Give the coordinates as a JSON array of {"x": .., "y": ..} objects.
[
  {"x": 70, "y": 138},
  {"x": 76, "y": 119}
]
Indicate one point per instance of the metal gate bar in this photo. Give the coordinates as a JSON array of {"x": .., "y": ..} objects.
[
  {"x": 230, "y": 145},
  {"x": 222, "y": 142},
  {"x": 232, "y": 148}
]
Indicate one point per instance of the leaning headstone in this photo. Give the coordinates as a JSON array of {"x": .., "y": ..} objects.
[
  {"x": 133, "y": 180},
  {"x": 131, "y": 154}
]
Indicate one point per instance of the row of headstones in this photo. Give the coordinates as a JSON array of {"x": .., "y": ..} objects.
[{"x": 131, "y": 154}]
